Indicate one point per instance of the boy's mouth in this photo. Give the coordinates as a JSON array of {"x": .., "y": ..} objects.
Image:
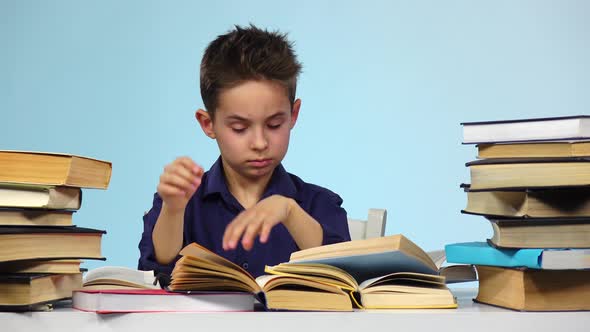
[{"x": 259, "y": 163}]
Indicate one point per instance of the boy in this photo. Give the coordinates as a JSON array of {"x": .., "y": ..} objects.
[{"x": 246, "y": 208}]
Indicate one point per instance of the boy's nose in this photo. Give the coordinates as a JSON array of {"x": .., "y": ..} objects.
[{"x": 259, "y": 141}]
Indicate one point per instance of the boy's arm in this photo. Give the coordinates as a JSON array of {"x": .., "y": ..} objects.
[
  {"x": 260, "y": 219},
  {"x": 178, "y": 183}
]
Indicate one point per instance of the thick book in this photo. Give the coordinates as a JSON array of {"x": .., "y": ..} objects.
[
  {"x": 40, "y": 197},
  {"x": 385, "y": 272},
  {"x": 36, "y": 242},
  {"x": 534, "y": 290},
  {"x": 540, "y": 233},
  {"x": 158, "y": 300},
  {"x": 527, "y": 173},
  {"x": 28, "y": 289},
  {"x": 534, "y": 150},
  {"x": 531, "y": 203},
  {"x": 534, "y": 129},
  {"x": 56, "y": 169},
  {"x": 119, "y": 277},
  {"x": 62, "y": 266},
  {"x": 482, "y": 253},
  {"x": 200, "y": 270},
  {"x": 32, "y": 217}
]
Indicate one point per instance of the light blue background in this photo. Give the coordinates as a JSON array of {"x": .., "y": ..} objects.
[{"x": 384, "y": 88}]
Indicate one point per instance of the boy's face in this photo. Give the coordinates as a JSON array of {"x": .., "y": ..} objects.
[{"x": 252, "y": 127}]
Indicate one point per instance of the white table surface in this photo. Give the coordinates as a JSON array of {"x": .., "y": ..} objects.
[{"x": 469, "y": 317}]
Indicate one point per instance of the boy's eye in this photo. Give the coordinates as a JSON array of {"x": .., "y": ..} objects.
[
  {"x": 274, "y": 126},
  {"x": 238, "y": 130}
]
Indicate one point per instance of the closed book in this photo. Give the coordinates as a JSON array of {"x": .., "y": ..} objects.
[
  {"x": 35, "y": 242},
  {"x": 527, "y": 173},
  {"x": 159, "y": 300},
  {"x": 531, "y": 203},
  {"x": 40, "y": 197},
  {"x": 32, "y": 217},
  {"x": 534, "y": 150},
  {"x": 540, "y": 233},
  {"x": 482, "y": 253},
  {"x": 523, "y": 130},
  {"x": 56, "y": 169},
  {"x": 28, "y": 289},
  {"x": 534, "y": 290},
  {"x": 62, "y": 266}
]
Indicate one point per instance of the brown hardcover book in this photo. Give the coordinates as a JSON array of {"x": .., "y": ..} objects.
[
  {"x": 40, "y": 197},
  {"x": 27, "y": 289},
  {"x": 54, "y": 169},
  {"x": 62, "y": 266},
  {"x": 202, "y": 270},
  {"x": 527, "y": 173},
  {"x": 539, "y": 203},
  {"x": 534, "y": 290},
  {"x": 28, "y": 217},
  {"x": 545, "y": 233},
  {"x": 534, "y": 150},
  {"x": 34, "y": 242}
]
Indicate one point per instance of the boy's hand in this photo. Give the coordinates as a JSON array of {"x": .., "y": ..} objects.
[
  {"x": 178, "y": 183},
  {"x": 258, "y": 220}
]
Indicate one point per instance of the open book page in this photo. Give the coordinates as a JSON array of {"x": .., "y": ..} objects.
[
  {"x": 201, "y": 269},
  {"x": 120, "y": 276},
  {"x": 406, "y": 282},
  {"x": 322, "y": 273}
]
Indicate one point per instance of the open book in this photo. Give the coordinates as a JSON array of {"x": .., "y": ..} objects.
[
  {"x": 202, "y": 270},
  {"x": 389, "y": 272}
]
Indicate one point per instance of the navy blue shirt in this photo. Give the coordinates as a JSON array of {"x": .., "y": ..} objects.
[{"x": 213, "y": 207}]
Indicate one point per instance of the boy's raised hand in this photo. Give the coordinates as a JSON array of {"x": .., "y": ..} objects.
[
  {"x": 257, "y": 220},
  {"x": 178, "y": 182}
]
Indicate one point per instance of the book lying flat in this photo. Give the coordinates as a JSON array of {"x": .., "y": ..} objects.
[
  {"x": 387, "y": 272},
  {"x": 30, "y": 217},
  {"x": 391, "y": 291},
  {"x": 27, "y": 289},
  {"x": 201, "y": 270},
  {"x": 62, "y": 266},
  {"x": 534, "y": 150},
  {"x": 40, "y": 197},
  {"x": 538, "y": 203},
  {"x": 158, "y": 300},
  {"x": 36, "y": 242},
  {"x": 534, "y": 290},
  {"x": 55, "y": 169},
  {"x": 539, "y": 129},
  {"x": 540, "y": 233},
  {"x": 119, "y": 277},
  {"x": 482, "y": 253},
  {"x": 527, "y": 173}
]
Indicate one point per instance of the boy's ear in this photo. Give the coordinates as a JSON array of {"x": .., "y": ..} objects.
[
  {"x": 206, "y": 122},
  {"x": 295, "y": 112}
]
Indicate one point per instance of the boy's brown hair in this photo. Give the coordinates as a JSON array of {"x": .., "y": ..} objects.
[{"x": 247, "y": 54}]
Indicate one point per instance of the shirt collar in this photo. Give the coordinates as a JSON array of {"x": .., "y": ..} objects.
[{"x": 280, "y": 182}]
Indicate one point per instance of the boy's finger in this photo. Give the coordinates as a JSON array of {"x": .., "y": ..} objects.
[
  {"x": 250, "y": 233},
  {"x": 177, "y": 181},
  {"x": 168, "y": 190},
  {"x": 191, "y": 166},
  {"x": 265, "y": 232}
]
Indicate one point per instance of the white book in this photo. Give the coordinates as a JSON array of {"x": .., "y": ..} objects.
[
  {"x": 527, "y": 130},
  {"x": 159, "y": 300},
  {"x": 39, "y": 196}
]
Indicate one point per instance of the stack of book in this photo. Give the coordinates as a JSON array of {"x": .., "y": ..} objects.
[
  {"x": 532, "y": 182},
  {"x": 40, "y": 248}
]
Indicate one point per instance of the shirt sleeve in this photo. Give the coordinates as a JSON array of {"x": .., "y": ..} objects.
[
  {"x": 147, "y": 256},
  {"x": 327, "y": 210}
]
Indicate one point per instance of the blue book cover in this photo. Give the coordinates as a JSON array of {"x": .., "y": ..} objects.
[{"x": 481, "y": 253}]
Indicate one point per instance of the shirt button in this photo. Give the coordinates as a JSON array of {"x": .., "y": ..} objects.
[{"x": 245, "y": 265}]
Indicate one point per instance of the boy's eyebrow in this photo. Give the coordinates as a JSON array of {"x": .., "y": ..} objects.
[{"x": 236, "y": 117}]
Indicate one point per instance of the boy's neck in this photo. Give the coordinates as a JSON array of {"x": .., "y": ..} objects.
[{"x": 246, "y": 191}]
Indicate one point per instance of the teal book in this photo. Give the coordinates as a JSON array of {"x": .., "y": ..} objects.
[{"x": 481, "y": 253}]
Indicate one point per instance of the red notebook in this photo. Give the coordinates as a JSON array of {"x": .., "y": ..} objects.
[{"x": 158, "y": 300}]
